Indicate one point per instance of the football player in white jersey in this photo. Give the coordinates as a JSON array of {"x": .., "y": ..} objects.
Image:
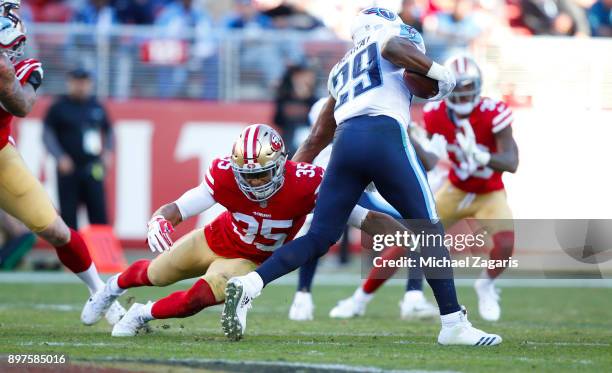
[
  {"x": 413, "y": 305},
  {"x": 368, "y": 117}
]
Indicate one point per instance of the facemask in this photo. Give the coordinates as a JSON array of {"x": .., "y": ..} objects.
[{"x": 461, "y": 109}]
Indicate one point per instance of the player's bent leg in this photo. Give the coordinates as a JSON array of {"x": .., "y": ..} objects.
[
  {"x": 23, "y": 197},
  {"x": 189, "y": 257},
  {"x": 179, "y": 304},
  {"x": 207, "y": 291}
]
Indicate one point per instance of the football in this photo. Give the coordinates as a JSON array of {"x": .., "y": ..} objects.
[{"x": 420, "y": 85}]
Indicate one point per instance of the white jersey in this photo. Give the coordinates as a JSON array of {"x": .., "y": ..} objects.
[{"x": 364, "y": 83}]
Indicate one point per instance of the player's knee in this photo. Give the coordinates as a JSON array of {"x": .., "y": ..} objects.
[
  {"x": 217, "y": 282},
  {"x": 157, "y": 277},
  {"x": 56, "y": 233}
]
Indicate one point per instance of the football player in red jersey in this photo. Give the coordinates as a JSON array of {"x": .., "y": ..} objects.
[
  {"x": 21, "y": 194},
  {"x": 267, "y": 199},
  {"x": 481, "y": 148}
]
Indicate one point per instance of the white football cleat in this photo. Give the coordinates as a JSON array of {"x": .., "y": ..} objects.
[
  {"x": 239, "y": 295},
  {"x": 459, "y": 331},
  {"x": 133, "y": 321},
  {"x": 115, "y": 313},
  {"x": 351, "y": 307},
  {"x": 414, "y": 306},
  {"x": 488, "y": 299},
  {"x": 302, "y": 308},
  {"x": 99, "y": 304}
]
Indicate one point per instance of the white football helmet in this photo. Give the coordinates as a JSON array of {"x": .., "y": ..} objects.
[
  {"x": 466, "y": 95},
  {"x": 7, "y": 8},
  {"x": 12, "y": 37},
  {"x": 8, "y": 5},
  {"x": 259, "y": 152},
  {"x": 371, "y": 20}
]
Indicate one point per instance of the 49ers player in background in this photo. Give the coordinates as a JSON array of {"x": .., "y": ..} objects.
[
  {"x": 21, "y": 194},
  {"x": 481, "y": 147},
  {"x": 267, "y": 200}
]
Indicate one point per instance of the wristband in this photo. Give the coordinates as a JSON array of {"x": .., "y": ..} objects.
[{"x": 438, "y": 72}]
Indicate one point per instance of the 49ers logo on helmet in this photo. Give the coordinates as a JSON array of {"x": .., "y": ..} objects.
[{"x": 276, "y": 143}]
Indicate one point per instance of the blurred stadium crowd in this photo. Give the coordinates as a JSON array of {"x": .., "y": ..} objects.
[
  {"x": 453, "y": 20},
  {"x": 234, "y": 50}
]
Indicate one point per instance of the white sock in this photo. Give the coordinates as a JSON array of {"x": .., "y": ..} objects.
[
  {"x": 452, "y": 319},
  {"x": 414, "y": 296},
  {"x": 361, "y": 296},
  {"x": 91, "y": 278},
  {"x": 302, "y": 295},
  {"x": 256, "y": 283},
  {"x": 146, "y": 311},
  {"x": 484, "y": 275},
  {"x": 113, "y": 285}
]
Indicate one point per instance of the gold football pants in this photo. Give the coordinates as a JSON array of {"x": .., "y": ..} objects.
[
  {"x": 21, "y": 194},
  {"x": 191, "y": 257}
]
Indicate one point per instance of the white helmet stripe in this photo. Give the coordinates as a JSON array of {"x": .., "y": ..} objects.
[
  {"x": 245, "y": 143},
  {"x": 248, "y": 147}
]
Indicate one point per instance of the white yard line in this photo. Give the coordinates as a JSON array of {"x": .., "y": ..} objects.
[
  {"x": 569, "y": 344},
  {"x": 328, "y": 279},
  {"x": 58, "y": 307}
]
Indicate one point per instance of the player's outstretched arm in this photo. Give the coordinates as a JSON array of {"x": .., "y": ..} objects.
[
  {"x": 191, "y": 203},
  {"x": 506, "y": 158},
  {"x": 403, "y": 53},
  {"x": 15, "y": 98},
  {"x": 169, "y": 212},
  {"x": 320, "y": 136}
]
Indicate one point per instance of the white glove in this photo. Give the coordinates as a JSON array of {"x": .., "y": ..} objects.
[
  {"x": 471, "y": 150},
  {"x": 467, "y": 145},
  {"x": 437, "y": 145},
  {"x": 158, "y": 236},
  {"x": 445, "y": 78}
]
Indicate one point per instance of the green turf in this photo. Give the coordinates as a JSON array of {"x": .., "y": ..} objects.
[{"x": 544, "y": 329}]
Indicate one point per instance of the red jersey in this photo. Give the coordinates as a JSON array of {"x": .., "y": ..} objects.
[
  {"x": 488, "y": 118},
  {"x": 23, "y": 70},
  {"x": 253, "y": 230}
]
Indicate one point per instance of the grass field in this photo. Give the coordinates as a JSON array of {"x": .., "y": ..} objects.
[{"x": 544, "y": 329}]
